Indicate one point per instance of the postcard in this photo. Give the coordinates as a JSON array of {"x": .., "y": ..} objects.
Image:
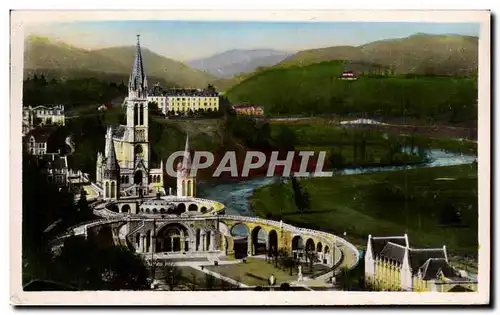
[{"x": 250, "y": 158}]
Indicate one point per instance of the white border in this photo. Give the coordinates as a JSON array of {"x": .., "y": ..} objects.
[{"x": 21, "y": 18}]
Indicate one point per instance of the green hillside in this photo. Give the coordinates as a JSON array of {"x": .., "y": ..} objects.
[
  {"x": 419, "y": 54},
  {"x": 58, "y": 59},
  {"x": 316, "y": 89}
]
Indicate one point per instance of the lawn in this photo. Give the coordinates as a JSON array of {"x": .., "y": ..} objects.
[
  {"x": 256, "y": 272},
  {"x": 435, "y": 206},
  {"x": 195, "y": 279}
]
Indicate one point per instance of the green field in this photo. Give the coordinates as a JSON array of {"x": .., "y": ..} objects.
[
  {"x": 422, "y": 202},
  {"x": 256, "y": 272},
  {"x": 316, "y": 89}
]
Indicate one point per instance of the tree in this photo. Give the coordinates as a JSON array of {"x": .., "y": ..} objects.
[
  {"x": 311, "y": 257},
  {"x": 83, "y": 205},
  {"x": 285, "y": 287},
  {"x": 209, "y": 281},
  {"x": 172, "y": 275},
  {"x": 153, "y": 265},
  {"x": 87, "y": 265},
  {"x": 193, "y": 282},
  {"x": 289, "y": 263}
]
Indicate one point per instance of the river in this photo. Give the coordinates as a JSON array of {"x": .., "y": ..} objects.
[{"x": 235, "y": 195}]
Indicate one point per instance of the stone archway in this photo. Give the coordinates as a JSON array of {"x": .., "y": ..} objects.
[
  {"x": 319, "y": 251},
  {"x": 173, "y": 238},
  {"x": 240, "y": 235},
  {"x": 327, "y": 255},
  {"x": 310, "y": 247},
  {"x": 138, "y": 177},
  {"x": 259, "y": 241},
  {"x": 181, "y": 208},
  {"x": 319, "y": 247},
  {"x": 193, "y": 207},
  {"x": 125, "y": 208},
  {"x": 272, "y": 239},
  {"x": 297, "y": 246}
]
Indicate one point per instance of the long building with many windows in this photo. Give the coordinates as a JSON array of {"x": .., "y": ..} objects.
[
  {"x": 179, "y": 101},
  {"x": 53, "y": 115},
  {"x": 392, "y": 265}
]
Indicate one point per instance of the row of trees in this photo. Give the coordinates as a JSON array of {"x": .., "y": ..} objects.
[
  {"x": 284, "y": 259},
  {"x": 38, "y": 90},
  {"x": 81, "y": 264}
]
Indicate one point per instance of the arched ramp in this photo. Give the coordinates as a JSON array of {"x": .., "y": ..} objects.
[{"x": 259, "y": 241}]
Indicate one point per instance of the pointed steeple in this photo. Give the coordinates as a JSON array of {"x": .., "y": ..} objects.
[
  {"x": 186, "y": 161},
  {"x": 112, "y": 168},
  {"x": 137, "y": 82}
]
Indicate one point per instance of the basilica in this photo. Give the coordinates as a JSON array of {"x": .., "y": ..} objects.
[{"x": 125, "y": 167}]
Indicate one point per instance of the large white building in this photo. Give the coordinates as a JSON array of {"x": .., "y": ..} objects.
[
  {"x": 53, "y": 115},
  {"x": 179, "y": 101}
]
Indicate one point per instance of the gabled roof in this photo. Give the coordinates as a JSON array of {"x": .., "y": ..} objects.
[
  {"x": 418, "y": 257},
  {"x": 40, "y": 134},
  {"x": 432, "y": 267},
  {"x": 378, "y": 243},
  {"x": 53, "y": 161},
  {"x": 119, "y": 131},
  {"x": 393, "y": 252}
]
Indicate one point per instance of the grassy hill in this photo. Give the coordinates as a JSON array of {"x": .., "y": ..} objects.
[
  {"x": 54, "y": 58},
  {"x": 419, "y": 53},
  {"x": 449, "y": 55},
  {"x": 316, "y": 89}
]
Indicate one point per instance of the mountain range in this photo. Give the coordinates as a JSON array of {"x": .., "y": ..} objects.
[
  {"x": 44, "y": 55},
  {"x": 236, "y": 61},
  {"x": 418, "y": 54}
]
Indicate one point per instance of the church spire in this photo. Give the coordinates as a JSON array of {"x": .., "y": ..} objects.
[
  {"x": 186, "y": 161},
  {"x": 112, "y": 168},
  {"x": 137, "y": 84}
]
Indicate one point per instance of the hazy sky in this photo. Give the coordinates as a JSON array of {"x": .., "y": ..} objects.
[{"x": 184, "y": 40}]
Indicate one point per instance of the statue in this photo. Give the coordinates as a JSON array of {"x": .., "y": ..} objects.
[{"x": 300, "y": 274}]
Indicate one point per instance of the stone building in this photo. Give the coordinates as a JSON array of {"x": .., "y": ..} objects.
[
  {"x": 35, "y": 141},
  {"x": 131, "y": 141},
  {"x": 250, "y": 110},
  {"x": 48, "y": 115},
  {"x": 392, "y": 265},
  {"x": 55, "y": 167}
]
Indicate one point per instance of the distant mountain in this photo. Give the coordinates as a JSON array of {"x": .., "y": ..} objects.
[
  {"x": 43, "y": 55},
  {"x": 234, "y": 62},
  {"x": 419, "y": 53}
]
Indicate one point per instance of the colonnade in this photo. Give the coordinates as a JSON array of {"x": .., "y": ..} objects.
[{"x": 181, "y": 242}]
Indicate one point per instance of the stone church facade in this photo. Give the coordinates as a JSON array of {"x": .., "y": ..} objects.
[{"x": 129, "y": 144}]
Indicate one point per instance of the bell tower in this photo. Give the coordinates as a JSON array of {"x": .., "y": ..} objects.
[{"x": 137, "y": 121}]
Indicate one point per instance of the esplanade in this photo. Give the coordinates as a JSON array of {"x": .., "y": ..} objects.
[{"x": 137, "y": 212}]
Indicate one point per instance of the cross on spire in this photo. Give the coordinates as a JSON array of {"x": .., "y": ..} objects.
[{"x": 137, "y": 82}]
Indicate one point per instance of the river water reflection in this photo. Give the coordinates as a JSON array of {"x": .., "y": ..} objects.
[{"x": 235, "y": 195}]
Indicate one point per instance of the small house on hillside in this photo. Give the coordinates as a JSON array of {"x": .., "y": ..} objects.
[
  {"x": 250, "y": 110},
  {"x": 348, "y": 75},
  {"x": 105, "y": 107}
]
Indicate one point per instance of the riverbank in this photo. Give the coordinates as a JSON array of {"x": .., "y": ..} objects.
[{"x": 435, "y": 206}]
